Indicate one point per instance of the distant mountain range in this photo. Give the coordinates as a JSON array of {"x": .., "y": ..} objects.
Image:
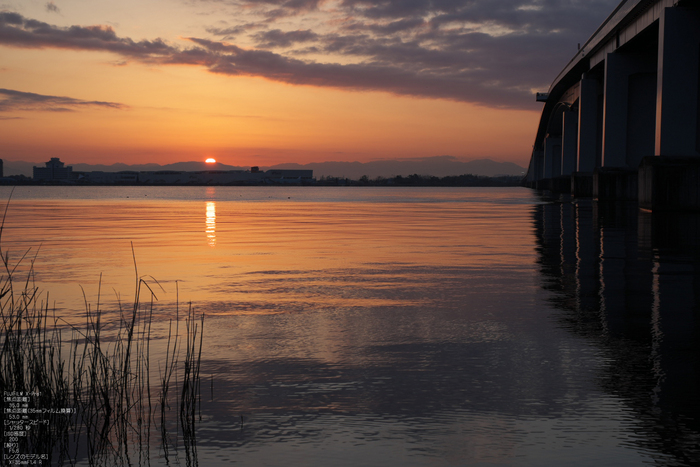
[{"x": 438, "y": 166}]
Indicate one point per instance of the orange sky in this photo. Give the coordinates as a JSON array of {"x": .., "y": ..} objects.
[{"x": 258, "y": 82}]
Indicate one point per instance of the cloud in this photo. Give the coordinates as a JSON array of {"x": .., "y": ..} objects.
[
  {"x": 11, "y": 100},
  {"x": 373, "y": 76},
  {"x": 18, "y": 31},
  {"x": 268, "y": 10},
  {"x": 229, "y": 33},
  {"x": 278, "y": 38},
  {"x": 274, "y": 9},
  {"x": 52, "y": 8},
  {"x": 488, "y": 52}
]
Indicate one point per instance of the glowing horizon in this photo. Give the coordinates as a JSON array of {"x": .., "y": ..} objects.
[{"x": 264, "y": 82}]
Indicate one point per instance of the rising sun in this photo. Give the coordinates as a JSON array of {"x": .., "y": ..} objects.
[{"x": 211, "y": 160}]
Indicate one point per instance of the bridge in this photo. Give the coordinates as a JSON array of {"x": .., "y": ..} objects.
[{"x": 622, "y": 119}]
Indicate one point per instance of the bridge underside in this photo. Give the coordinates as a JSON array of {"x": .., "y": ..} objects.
[{"x": 622, "y": 121}]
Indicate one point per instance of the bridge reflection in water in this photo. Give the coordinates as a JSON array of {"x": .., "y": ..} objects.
[{"x": 629, "y": 280}]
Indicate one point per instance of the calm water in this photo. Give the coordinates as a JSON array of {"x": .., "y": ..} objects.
[{"x": 375, "y": 326}]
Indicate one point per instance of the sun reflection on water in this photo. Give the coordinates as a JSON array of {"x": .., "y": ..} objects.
[{"x": 211, "y": 223}]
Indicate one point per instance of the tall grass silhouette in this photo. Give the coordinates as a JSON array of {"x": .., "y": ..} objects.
[{"x": 90, "y": 396}]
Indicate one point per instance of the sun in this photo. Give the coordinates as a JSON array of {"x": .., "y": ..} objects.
[{"x": 211, "y": 160}]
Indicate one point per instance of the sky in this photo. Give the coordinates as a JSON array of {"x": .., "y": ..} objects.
[{"x": 263, "y": 82}]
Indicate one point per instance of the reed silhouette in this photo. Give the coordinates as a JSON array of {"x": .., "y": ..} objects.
[{"x": 93, "y": 390}]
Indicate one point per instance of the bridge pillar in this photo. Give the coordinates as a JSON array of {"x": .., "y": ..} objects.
[
  {"x": 629, "y": 114},
  {"x": 536, "y": 170},
  {"x": 552, "y": 156},
  {"x": 615, "y": 113},
  {"x": 670, "y": 180},
  {"x": 569, "y": 142},
  {"x": 677, "y": 106},
  {"x": 628, "y": 120},
  {"x": 588, "y": 125}
]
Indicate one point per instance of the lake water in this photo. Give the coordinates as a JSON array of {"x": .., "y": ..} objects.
[{"x": 398, "y": 326}]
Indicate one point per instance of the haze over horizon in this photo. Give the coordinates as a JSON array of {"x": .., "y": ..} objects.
[
  {"x": 266, "y": 82},
  {"x": 439, "y": 166}
]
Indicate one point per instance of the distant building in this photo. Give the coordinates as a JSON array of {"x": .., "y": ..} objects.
[
  {"x": 106, "y": 178},
  {"x": 289, "y": 176},
  {"x": 225, "y": 177},
  {"x": 54, "y": 171},
  {"x": 205, "y": 177},
  {"x": 1, "y": 171}
]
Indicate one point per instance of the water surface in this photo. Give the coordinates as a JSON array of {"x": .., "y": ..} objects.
[{"x": 397, "y": 326}]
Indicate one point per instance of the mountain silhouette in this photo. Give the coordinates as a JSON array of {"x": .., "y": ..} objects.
[{"x": 438, "y": 166}]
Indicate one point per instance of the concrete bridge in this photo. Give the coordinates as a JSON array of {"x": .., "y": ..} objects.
[{"x": 622, "y": 120}]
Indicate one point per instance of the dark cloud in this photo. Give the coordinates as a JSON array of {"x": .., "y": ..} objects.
[
  {"x": 11, "y": 100},
  {"x": 284, "y": 8},
  {"x": 561, "y": 17},
  {"x": 228, "y": 33},
  {"x": 290, "y": 4},
  {"x": 513, "y": 46},
  {"x": 18, "y": 31},
  {"x": 401, "y": 25},
  {"x": 270, "y": 9},
  {"x": 278, "y": 38},
  {"x": 392, "y": 9},
  {"x": 516, "y": 13},
  {"x": 52, "y": 8},
  {"x": 374, "y": 76},
  {"x": 488, "y": 52}
]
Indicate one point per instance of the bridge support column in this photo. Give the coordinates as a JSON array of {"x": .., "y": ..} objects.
[
  {"x": 669, "y": 183},
  {"x": 670, "y": 180},
  {"x": 536, "y": 169},
  {"x": 552, "y": 157},
  {"x": 615, "y": 113},
  {"x": 617, "y": 184},
  {"x": 677, "y": 112},
  {"x": 582, "y": 185},
  {"x": 588, "y": 125},
  {"x": 569, "y": 142},
  {"x": 588, "y": 150},
  {"x": 628, "y": 121}
]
